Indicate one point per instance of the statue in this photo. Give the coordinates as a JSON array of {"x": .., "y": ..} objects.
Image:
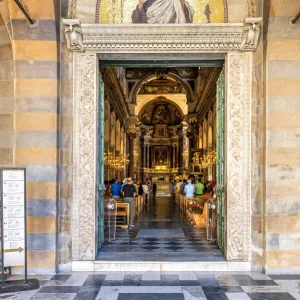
[
  {"x": 163, "y": 12},
  {"x": 251, "y": 33},
  {"x": 149, "y": 132},
  {"x": 73, "y": 35},
  {"x": 146, "y": 117}
]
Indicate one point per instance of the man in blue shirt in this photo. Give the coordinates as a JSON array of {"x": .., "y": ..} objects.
[
  {"x": 116, "y": 189},
  {"x": 189, "y": 189}
]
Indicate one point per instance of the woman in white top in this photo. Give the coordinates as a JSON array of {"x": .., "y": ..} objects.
[{"x": 146, "y": 191}]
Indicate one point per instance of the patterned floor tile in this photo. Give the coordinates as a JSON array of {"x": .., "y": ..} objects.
[
  {"x": 270, "y": 296},
  {"x": 50, "y": 296},
  {"x": 87, "y": 293},
  {"x": 161, "y": 285},
  {"x": 214, "y": 293},
  {"x": 193, "y": 293},
  {"x": 151, "y": 297},
  {"x": 237, "y": 296},
  {"x": 94, "y": 280}
]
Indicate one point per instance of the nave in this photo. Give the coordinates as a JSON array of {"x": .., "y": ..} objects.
[{"x": 162, "y": 233}]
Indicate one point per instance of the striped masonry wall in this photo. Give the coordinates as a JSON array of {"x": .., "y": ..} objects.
[
  {"x": 6, "y": 91},
  {"x": 258, "y": 148},
  {"x": 64, "y": 250},
  {"x": 283, "y": 139},
  {"x": 35, "y": 125}
]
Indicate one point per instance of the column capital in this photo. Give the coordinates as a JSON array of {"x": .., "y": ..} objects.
[{"x": 131, "y": 135}]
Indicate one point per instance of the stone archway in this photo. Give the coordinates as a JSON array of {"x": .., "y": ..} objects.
[
  {"x": 135, "y": 90},
  {"x": 219, "y": 40}
]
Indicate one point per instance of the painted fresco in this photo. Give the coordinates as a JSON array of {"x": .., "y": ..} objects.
[{"x": 161, "y": 11}]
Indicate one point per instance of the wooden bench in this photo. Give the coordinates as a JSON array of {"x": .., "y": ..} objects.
[{"x": 123, "y": 210}]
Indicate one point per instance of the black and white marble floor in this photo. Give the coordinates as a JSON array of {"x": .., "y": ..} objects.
[
  {"x": 163, "y": 286},
  {"x": 162, "y": 233}
]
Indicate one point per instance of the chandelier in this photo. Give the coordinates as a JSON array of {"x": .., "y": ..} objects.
[
  {"x": 206, "y": 160},
  {"x": 116, "y": 162}
]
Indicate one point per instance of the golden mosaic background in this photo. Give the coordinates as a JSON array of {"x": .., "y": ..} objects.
[{"x": 119, "y": 11}]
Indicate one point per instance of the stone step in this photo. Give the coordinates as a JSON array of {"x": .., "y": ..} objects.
[{"x": 147, "y": 266}]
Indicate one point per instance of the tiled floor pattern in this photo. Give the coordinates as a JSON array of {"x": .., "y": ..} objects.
[
  {"x": 163, "y": 231},
  {"x": 163, "y": 286}
]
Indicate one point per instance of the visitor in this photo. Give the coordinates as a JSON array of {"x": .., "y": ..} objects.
[
  {"x": 189, "y": 193},
  {"x": 129, "y": 193},
  {"x": 189, "y": 189},
  {"x": 154, "y": 189},
  {"x": 199, "y": 188},
  {"x": 116, "y": 189},
  {"x": 146, "y": 191},
  {"x": 174, "y": 191},
  {"x": 178, "y": 184},
  {"x": 124, "y": 183},
  {"x": 182, "y": 185},
  {"x": 181, "y": 195},
  {"x": 208, "y": 187},
  {"x": 106, "y": 184}
]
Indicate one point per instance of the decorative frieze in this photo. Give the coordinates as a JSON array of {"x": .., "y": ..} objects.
[
  {"x": 84, "y": 157},
  {"x": 178, "y": 38},
  {"x": 238, "y": 156}
]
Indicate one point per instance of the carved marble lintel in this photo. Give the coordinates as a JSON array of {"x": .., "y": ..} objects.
[
  {"x": 73, "y": 34},
  {"x": 84, "y": 156},
  {"x": 179, "y": 38},
  {"x": 251, "y": 33}
]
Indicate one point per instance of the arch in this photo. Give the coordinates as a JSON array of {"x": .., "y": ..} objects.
[{"x": 152, "y": 76}]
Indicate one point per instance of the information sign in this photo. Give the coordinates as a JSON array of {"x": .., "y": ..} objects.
[
  {"x": 13, "y": 229},
  {"x": 13, "y": 217}
]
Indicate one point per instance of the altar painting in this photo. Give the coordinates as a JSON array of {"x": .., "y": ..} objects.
[{"x": 161, "y": 156}]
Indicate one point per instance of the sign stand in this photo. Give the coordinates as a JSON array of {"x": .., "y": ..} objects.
[{"x": 13, "y": 228}]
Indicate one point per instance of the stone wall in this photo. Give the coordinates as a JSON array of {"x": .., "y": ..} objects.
[
  {"x": 257, "y": 157},
  {"x": 6, "y": 91},
  {"x": 31, "y": 126},
  {"x": 65, "y": 149},
  {"x": 282, "y": 207}
]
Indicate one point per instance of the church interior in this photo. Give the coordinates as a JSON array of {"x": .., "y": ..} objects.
[{"x": 162, "y": 127}]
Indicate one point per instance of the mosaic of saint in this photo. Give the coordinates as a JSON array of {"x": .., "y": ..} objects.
[{"x": 162, "y": 11}]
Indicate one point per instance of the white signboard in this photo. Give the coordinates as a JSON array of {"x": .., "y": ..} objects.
[{"x": 13, "y": 212}]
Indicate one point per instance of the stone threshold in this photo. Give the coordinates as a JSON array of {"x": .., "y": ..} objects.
[{"x": 132, "y": 266}]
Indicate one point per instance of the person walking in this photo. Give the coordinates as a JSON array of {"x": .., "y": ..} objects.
[
  {"x": 154, "y": 189},
  {"x": 146, "y": 191},
  {"x": 129, "y": 193}
]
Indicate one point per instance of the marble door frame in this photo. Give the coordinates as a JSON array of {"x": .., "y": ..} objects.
[{"x": 216, "y": 41}]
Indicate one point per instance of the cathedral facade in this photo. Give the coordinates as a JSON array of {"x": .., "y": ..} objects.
[{"x": 95, "y": 90}]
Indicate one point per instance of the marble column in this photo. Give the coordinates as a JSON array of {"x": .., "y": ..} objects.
[
  {"x": 174, "y": 160},
  {"x": 144, "y": 163},
  {"x": 148, "y": 156},
  {"x": 131, "y": 136}
]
